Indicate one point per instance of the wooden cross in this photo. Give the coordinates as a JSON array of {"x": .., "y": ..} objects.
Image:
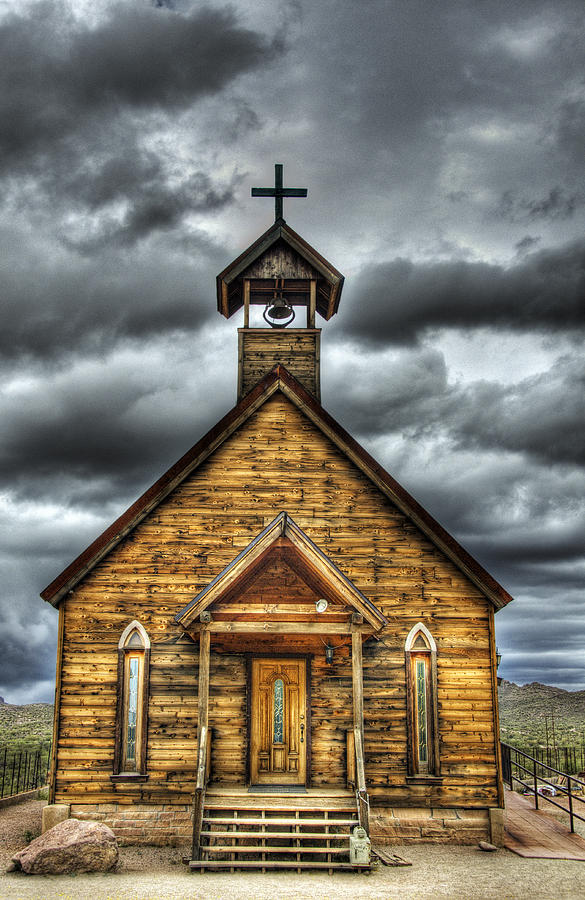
[{"x": 278, "y": 192}]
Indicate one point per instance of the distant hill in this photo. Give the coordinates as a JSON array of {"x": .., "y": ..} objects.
[
  {"x": 25, "y": 725},
  {"x": 528, "y": 711}
]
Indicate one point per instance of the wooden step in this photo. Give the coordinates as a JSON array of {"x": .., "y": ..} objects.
[
  {"x": 279, "y": 835},
  {"x": 257, "y": 820},
  {"x": 260, "y": 848},
  {"x": 272, "y": 864},
  {"x": 280, "y": 804},
  {"x": 254, "y": 834}
]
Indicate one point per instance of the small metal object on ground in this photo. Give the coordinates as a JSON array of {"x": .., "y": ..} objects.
[{"x": 388, "y": 858}]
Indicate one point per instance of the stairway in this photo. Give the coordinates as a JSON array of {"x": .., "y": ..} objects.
[{"x": 260, "y": 832}]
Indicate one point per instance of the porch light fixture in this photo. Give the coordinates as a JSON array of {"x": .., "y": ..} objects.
[
  {"x": 321, "y": 604},
  {"x": 328, "y": 653},
  {"x": 498, "y": 658}
]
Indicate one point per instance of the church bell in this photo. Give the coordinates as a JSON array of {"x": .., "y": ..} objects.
[{"x": 278, "y": 310}]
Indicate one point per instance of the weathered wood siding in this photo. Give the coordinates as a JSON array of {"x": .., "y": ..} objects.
[
  {"x": 259, "y": 349},
  {"x": 278, "y": 460}
]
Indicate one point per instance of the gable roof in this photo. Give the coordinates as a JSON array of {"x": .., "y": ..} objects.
[
  {"x": 249, "y": 558},
  {"x": 229, "y": 290},
  {"x": 278, "y": 379}
]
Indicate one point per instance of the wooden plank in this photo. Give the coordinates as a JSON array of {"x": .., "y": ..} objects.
[
  {"x": 326, "y": 627},
  {"x": 203, "y": 688},
  {"x": 312, "y": 304},
  {"x": 495, "y": 710},
  {"x": 57, "y": 709},
  {"x": 246, "y": 302},
  {"x": 350, "y": 755},
  {"x": 357, "y": 681},
  {"x": 202, "y": 743}
]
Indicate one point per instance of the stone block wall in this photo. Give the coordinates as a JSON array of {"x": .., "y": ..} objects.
[
  {"x": 435, "y": 825},
  {"x": 164, "y": 826}
]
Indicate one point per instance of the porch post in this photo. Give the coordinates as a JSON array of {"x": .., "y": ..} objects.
[
  {"x": 358, "y": 729},
  {"x": 202, "y": 740},
  {"x": 203, "y": 692},
  {"x": 357, "y": 683}
]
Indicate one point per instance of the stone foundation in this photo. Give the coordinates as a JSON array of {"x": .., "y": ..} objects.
[
  {"x": 171, "y": 825},
  {"x": 397, "y": 825},
  {"x": 165, "y": 826}
]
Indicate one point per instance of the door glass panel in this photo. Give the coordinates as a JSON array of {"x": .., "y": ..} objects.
[
  {"x": 278, "y": 711},
  {"x": 421, "y": 710}
]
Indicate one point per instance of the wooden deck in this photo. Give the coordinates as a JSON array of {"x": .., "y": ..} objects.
[{"x": 535, "y": 833}]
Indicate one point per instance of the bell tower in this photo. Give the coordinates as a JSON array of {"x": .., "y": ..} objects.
[{"x": 283, "y": 273}]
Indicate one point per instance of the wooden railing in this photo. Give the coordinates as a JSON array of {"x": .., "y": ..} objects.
[
  {"x": 363, "y": 803},
  {"x": 203, "y": 767}
]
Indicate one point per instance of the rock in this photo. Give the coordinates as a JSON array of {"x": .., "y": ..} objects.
[
  {"x": 489, "y": 848},
  {"x": 70, "y": 846}
]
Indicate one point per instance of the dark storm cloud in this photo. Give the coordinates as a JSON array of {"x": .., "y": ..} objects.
[
  {"x": 570, "y": 132},
  {"x": 557, "y": 204},
  {"x": 28, "y": 636},
  {"x": 155, "y": 206},
  {"x": 59, "y": 73},
  {"x": 82, "y": 109},
  {"x": 397, "y": 302},
  {"x": 542, "y": 417},
  {"x": 543, "y": 633},
  {"x": 101, "y": 433},
  {"x": 526, "y": 244},
  {"x": 56, "y": 304}
]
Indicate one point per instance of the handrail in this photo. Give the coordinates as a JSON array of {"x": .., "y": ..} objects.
[
  {"x": 532, "y": 786},
  {"x": 363, "y": 803},
  {"x": 203, "y": 751}
]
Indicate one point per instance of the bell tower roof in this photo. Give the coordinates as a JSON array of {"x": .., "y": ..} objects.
[{"x": 280, "y": 253}]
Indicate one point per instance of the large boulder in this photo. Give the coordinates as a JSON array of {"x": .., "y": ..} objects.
[{"x": 71, "y": 846}]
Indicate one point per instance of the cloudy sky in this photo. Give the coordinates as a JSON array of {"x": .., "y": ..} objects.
[{"x": 443, "y": 146}]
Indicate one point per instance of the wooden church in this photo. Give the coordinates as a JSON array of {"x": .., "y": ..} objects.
[{"x": 276, "y": 641}]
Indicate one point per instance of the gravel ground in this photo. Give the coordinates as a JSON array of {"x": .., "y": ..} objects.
[{"x": 148, "y": 873}]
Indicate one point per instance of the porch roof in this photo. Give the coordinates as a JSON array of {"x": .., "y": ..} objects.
[{"x": 311, "y": 557}]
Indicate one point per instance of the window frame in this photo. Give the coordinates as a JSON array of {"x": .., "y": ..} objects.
[
  {"x": 125, "y": 768},
  {"x": 413, "y": 655}
]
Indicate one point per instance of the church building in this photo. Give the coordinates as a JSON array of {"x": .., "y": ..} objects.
[{"x": 276, "y": 642}]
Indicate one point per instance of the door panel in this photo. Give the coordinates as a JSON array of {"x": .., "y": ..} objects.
[{"x": 278, "y": 739}]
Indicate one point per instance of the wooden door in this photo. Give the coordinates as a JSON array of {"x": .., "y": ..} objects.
[{"x": 278, "y": 731}]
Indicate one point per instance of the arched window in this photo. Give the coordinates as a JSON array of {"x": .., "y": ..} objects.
[
  {"x": 132, "y": 705},
  {"x": 421, "y": 689}
]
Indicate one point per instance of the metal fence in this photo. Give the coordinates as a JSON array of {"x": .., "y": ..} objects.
[
  {"x": 570, "y": 760},
  {"x": 23, "y": 770}
]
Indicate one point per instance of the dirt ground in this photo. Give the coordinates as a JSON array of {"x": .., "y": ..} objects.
[{"x": 148, "y": 873}]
